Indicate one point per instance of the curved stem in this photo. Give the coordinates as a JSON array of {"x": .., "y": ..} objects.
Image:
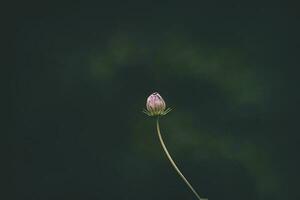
[{"x": 172, "y": 161}]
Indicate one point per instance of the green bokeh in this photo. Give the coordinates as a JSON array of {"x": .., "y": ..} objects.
[{"x": 83, "y": 75}]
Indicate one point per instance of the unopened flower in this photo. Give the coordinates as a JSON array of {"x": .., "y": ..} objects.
[{"x": 156, "y": 105}]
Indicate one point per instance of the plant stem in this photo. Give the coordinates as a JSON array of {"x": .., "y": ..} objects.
[{"x": 172, "y": 161}]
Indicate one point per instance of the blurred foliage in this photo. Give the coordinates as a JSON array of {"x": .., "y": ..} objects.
[{"x": 84, "y": 72}]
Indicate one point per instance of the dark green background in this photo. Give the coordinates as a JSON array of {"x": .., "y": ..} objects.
[{"x": 228, "y": 69}]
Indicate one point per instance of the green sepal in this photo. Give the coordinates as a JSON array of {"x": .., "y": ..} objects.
[{"x": 160, "y": 114}]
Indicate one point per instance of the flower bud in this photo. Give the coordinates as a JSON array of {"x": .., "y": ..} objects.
[{"x": 156, "y": 105}]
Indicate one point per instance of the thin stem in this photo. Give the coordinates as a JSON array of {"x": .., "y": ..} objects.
[{"x": 172, "y": 161}]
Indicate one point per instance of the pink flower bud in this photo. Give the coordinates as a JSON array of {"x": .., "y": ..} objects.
[{"x": 156, "y": 105}]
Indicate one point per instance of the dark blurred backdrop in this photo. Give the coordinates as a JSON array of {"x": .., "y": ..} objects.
[{"x": 84, "y": 70}]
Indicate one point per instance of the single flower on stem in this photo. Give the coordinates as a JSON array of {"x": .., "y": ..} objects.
[{"x": 156, "y": 106}]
